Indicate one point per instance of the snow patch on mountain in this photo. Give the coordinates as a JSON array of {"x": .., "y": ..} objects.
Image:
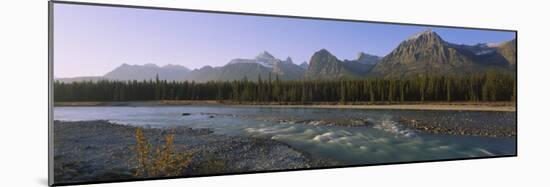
[{"x": 485, "y": 51}]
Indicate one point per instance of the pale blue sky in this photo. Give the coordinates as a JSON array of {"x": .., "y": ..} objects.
[{"x": 92, "y": 40}]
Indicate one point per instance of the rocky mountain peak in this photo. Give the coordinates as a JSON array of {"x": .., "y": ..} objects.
[
  {"x": 424, "y": 34},
  {"x": 322, "y": 56},
  {"x": 361, "y": 55},
  {"x": 425, "y": 39},
  {"x": 264, "y": 55},
  {"x": 288, "y": 59},
  {"x": 323, "y": 52},
  {"x": 365, "y": 58}
]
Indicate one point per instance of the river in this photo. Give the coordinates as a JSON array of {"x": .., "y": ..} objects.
[{"x": 384, "y": 140}]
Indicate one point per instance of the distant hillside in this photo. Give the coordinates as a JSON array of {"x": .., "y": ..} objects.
[{"x": 147, "y": 72}]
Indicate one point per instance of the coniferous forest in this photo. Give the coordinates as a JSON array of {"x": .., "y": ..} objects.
[{"x": 491, "y": 86}]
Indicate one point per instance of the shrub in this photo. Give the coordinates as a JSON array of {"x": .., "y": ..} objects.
[{"x": 164, "y": 161}]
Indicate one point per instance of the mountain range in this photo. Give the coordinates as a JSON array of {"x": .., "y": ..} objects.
[
  {"x": 263, "y": 65},
  {"x": 424, "y": 53},
  {"x": 147, "y": 71},
  {"x": 427, "y": 53}
]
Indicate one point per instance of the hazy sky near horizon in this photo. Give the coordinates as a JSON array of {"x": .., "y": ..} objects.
[{"x": 92, "y": 40}]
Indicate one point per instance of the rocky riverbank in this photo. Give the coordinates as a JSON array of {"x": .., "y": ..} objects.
[
  {"x": 455, "y": 128},
  {"x": 102, "y": 151}
]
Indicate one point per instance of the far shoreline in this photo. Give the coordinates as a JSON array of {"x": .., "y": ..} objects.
[{"x": 449, "y": 106}]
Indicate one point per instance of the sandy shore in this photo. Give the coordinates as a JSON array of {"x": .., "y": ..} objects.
[
  {"x": 101, "y": 151},
  {"x": 461, "y": 106}
]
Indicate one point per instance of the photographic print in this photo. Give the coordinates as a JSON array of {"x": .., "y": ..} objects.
[{"x": 148, "y": 93}]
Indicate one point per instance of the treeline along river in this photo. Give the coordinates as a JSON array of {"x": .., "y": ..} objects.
[{"x": 491, "y": 86}]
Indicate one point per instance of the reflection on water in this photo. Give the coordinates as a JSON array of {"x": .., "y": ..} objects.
[{"x": 384, "y": 140}]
